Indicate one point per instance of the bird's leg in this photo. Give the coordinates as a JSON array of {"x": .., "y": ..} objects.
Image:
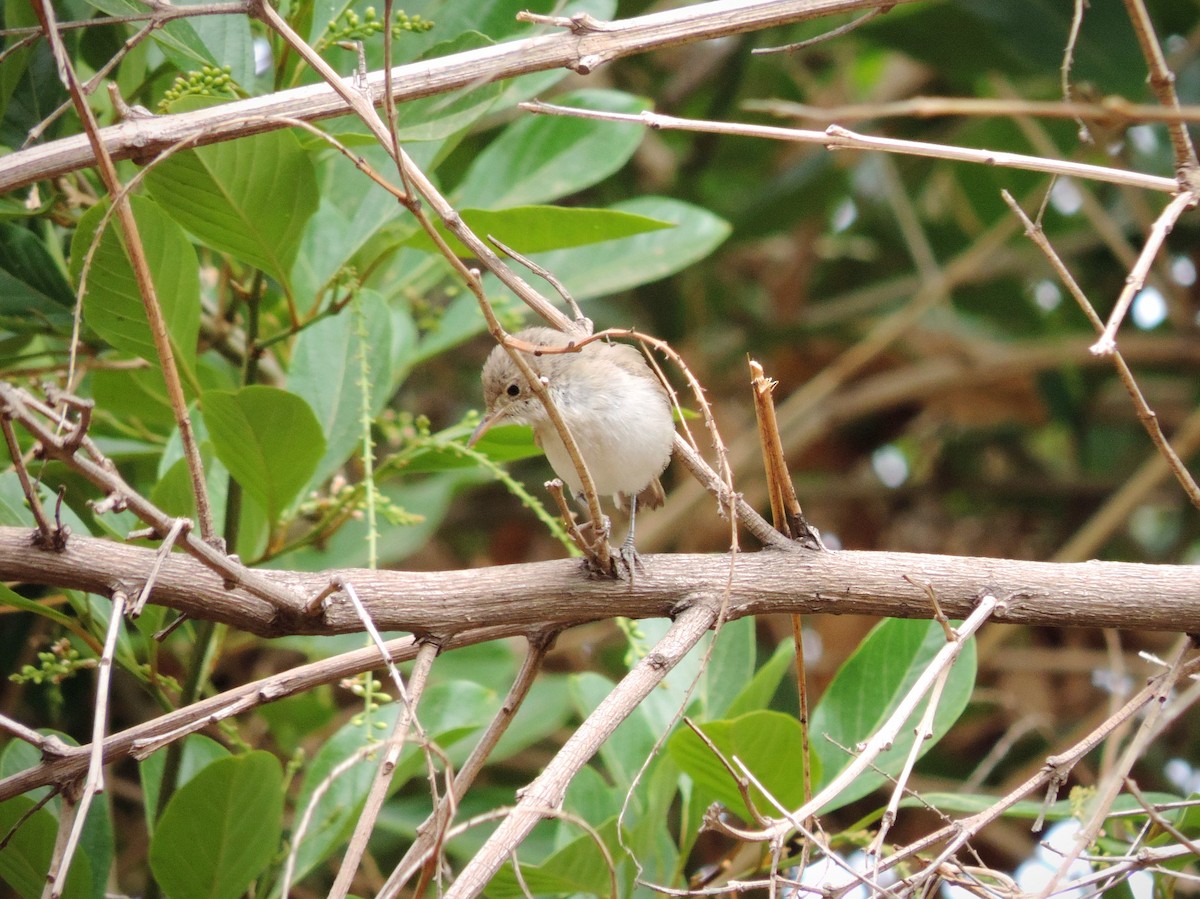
[
  {"x": 587, "y": 531},
  {"x": 628, "y": 553}
]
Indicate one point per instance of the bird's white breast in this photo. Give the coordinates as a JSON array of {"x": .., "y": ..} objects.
[{"x": 623, "y": 428}]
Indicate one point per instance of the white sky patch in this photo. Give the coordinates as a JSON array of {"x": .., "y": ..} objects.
[
  {"x": 1149, "y": 308},
  {"x": 844, "y": 216},
  {"x": 1047, "y": 295},
  {"x": 1065, "y": 197},
  {"x": 890, "y": 465},
  {"x": 262, "y": 56},
  {"x": 1183, "y": 271},
  {"x": 1144, "y": 138}
]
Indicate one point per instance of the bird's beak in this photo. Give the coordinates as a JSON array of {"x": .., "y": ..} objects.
[{"x": 484, "y": 425}]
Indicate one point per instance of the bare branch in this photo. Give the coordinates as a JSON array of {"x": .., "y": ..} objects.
[{"x": 580, "y": 52}]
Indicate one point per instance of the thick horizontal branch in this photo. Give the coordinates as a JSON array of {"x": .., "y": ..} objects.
[
  {"x": 522, "y": 598},
  {"x": 582, "y": 47}
]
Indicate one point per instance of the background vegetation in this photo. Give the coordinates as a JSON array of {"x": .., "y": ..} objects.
[{"x": 936, "y": 395}]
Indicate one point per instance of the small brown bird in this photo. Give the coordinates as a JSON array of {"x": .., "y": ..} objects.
[{"x": 613, "y": 404}]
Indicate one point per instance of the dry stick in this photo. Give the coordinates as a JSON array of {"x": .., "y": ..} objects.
[
  {"x": 826, "y": 36},
  {"x": 1145, "y": 414},
  {"x": 802, "y": 415},
  {"x": 883, "y": 738},
  {"x": 137, "y": 258},
  {"x": 555, "y": 488},
  {"x": 431, "y": 832},
  {"x": 547, "y": 791},
  {"x": 1162, "y": 82},
  {"x": 836, "y": 137},
  {"x": 532, "y": 595},
  {"x": 94, "y": 782},
  {"x": 387, "y": 766},
  {"x": 788, "y": 518},
  {"x": 1111, "y": 110},
  {"x": 318, "y": 793},
  {"x": 89, "y": 87},
  {"x": 1068, "y": 61},
  {"x": 164, "y": 550},
  {"x": 923, "y": 732},
  {"x": 1108, "y": 791},
  {"x": 100, "y": 471},
  {"x": 160, "y": 11},
  {"x": 46, "y": 535},
  {"x": 1054, "y": 771},
  {"x": 48, "y": 746},
  {"x": 1158, "y": 818},
  {"x": 406, "y": 719},
  {"x": 1136, "y": 278},
  {"x": 64, "y": 764},
  {"x": 593, "y": 45}
]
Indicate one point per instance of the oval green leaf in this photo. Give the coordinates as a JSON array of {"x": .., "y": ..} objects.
[
  {"x": 768, "y": 743},
  {"x": 268, "y": 438},
  {"x": 535, "y": 229},
  {"x": 541, "y": 158},
  {"x": 221, "y": 829},
  {"x": 249, "y": 198},
  {"x": 112, "y": 303}
]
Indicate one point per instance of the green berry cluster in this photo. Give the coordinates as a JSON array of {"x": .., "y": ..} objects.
[
  {"x": 350, "y": 26},
  {"x": 210, "y": 81},
  {"x": 54, "y": 665}
]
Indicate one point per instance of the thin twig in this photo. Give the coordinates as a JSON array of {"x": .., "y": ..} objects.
[
  {"x": 836, "y": 137},
  {"x": 1162, "y": 82},
  {"x": 1145, "y": 414},
  {"x": 431, "y": 833},
  {"x": 1136, "y": 278},
  {"x": 1099, "y": 807},
  {"x": 545, "y": 793},
  {"x": 136, "y": 252},
  {"x": 94, "y": 782},
  {"x": 826, "y": 36},
  {"x": 387, "y": 765},
  {"x": 180, "y": 526}
]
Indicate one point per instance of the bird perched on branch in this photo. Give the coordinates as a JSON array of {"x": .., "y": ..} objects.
[{"x": 612, "y": 402}]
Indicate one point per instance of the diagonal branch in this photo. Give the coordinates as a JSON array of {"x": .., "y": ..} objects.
[{"x": 582, "y": 50}]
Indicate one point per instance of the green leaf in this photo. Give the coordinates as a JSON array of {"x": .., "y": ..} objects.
[
  {"x": 177, "y": 39},
  {"x": 768, "y": 743},
  {"x": 199, "y": 752},
  {"x": 15, "y": 601},
  {"x": 34, "y": 295},
  {"x": 535, "y": 229},
  {"x": 112, "y": 303},
  {"x": 541, "y": 158},
  {"x": 761, "y": 688},
  {"x": 26, "y": 859},
  {"x": 630, "y": 744},
  {"x": 577, "y": 868},
  {"x": 221, "y": 829},
  {"x": 599, "y": 269},
  {"x": 621, "y": 264},
  {"x": 729, "y": 668},
  {"x": 325, "y": 373},
  {"x": 869, "y": 685},
  {"x": 249, "y": 198},
  {"x": 269, "y": 439},
  {"x": 96, "y": 843}
]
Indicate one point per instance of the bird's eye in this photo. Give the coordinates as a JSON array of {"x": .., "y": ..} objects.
[{"x": 514, "y": 390}]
